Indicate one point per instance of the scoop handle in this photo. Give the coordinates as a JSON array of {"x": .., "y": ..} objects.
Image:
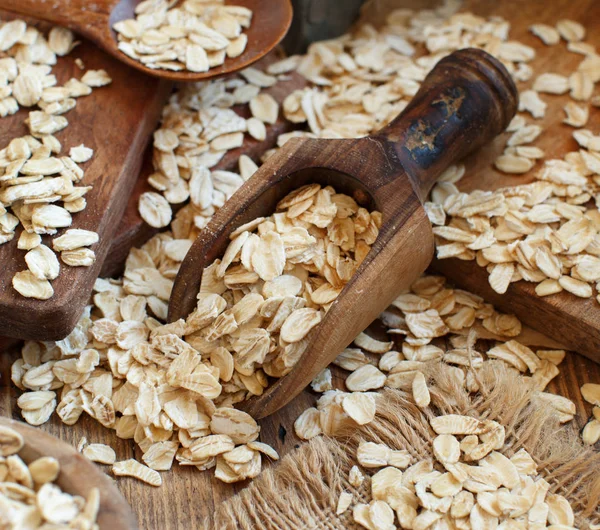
[{"x": 466, "y": 100}]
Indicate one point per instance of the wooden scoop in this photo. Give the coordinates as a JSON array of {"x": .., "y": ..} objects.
[
  {"x": 466, "y": 100},
  {"x": 77, "y": 474},
  {"x": 94, "y": 19}
]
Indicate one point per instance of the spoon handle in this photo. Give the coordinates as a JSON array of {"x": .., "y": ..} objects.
[
  {"x": 465, "y": 101},
  {"x": 83, "y": 16}
]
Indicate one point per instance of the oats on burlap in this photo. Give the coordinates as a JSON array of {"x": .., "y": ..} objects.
[{"x": 507, "y": 490}]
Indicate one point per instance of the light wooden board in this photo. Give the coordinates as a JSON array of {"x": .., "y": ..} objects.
[
  {"x": 116, "y": 121},
  {"x": 562, "y": 316}
]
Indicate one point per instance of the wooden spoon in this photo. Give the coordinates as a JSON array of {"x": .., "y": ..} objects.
[
  {"x": 466, "y": 100},
  {"x": 94, "y": 20},
  {"x": 77, "y": 474}
]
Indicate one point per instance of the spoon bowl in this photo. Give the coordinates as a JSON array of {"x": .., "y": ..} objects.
[
  {"x": 94, "y": 20},
  {"x": 77, "y": 474},
  {"x": 465, "y": 101}
]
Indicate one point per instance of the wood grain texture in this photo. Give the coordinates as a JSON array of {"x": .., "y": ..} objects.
[
  {"x": 466, "y": 100},
  {"x": 77, "y": 474},
  {"x": 116, "y": 121},
  {"x": 133, "y": 231},
  {"x": 563, "y": 316},
  {"x": 270, "y": 22}
]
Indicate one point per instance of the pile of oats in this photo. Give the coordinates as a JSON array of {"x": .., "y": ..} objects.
[
  {"x": 276, "y": 280},
  {"x": 194, "y": 36},
  {"x": 34, "y": 177},
  {"x": 28, "y": 497},
  {"x": 544, "y": 232},
  {"x": 172, "y": 387},
  {"x": 198, "y": 128},
  {"x": 471, "y": 484},
  {"x": 436, "y": 323}
]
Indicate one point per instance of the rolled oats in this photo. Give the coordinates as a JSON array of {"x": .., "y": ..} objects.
[
  {"x": 132, "y": 468},
  {"x": 570, "y": 30},
  {"x": 264, "y": 108},
  {"x": 38, "y": 502},
  {"x": 591, "y": 393},
  {"x": 190, "y": 36},
  {"x": 547, "y": 34},
  {"x": 100, "y": 453},
  {"x": 154, "y": 209},
  {"x": 233, "y": 340},
  {"x": 551, "y": 83},
  {"x": 32, "y": 180},
  {"x": 29, "y": 286}
]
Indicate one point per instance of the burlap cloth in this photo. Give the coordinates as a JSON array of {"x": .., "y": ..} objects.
[{"x": 302, "y": 491}]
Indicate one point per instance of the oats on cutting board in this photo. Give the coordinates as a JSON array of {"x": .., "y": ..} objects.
[{"x": 35, "y": 177}]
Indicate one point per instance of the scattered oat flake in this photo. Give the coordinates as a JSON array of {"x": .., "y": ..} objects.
[
  {"x": 29, "y": 286},
  {"x": 100, "y": 453},
  {"x": 96, "y": 78},
  {"x": 81, "y": 154},
  {"x": 154, "y": 209},
  {"x": 132, "y": 468}
]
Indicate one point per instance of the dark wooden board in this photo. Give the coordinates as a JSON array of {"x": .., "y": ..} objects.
[
  {"x": 116, "y": 121},
  {"x": 133, "y": 231},
  {"x": 563, "y": 316}
]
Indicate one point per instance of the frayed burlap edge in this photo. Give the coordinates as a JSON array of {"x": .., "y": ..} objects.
[{"x": 301, "y": 492}]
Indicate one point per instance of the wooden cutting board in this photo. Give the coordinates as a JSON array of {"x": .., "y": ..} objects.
[
  {"x": 116, "y": 121},
  {"x": 564, "y": 317},
  {"x": 133, "y": 231}
]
